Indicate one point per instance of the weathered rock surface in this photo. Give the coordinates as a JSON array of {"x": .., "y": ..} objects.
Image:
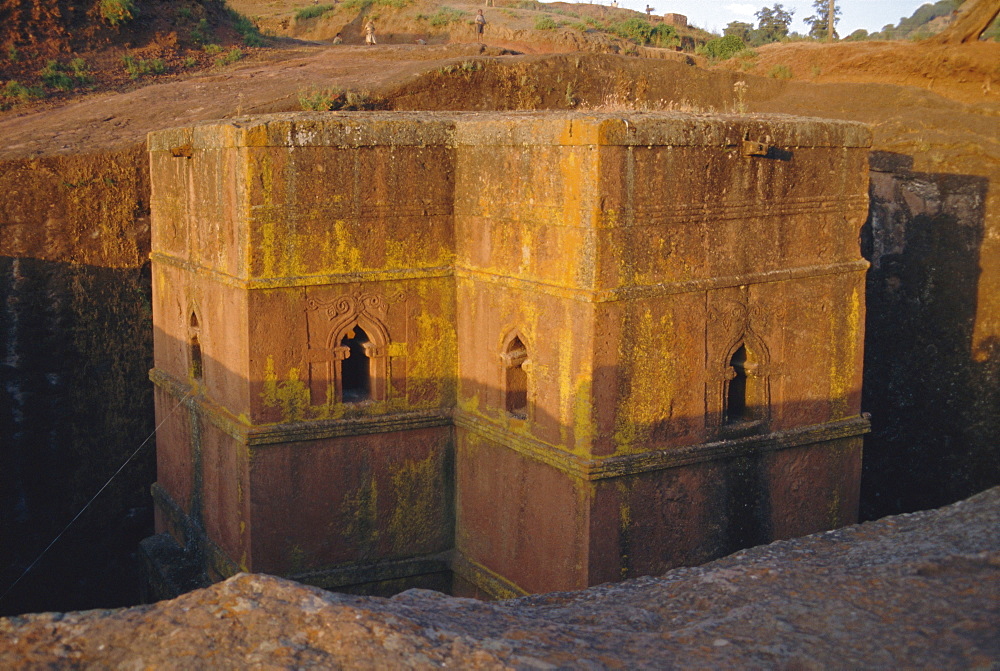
[{"x": 918, "y": 590}]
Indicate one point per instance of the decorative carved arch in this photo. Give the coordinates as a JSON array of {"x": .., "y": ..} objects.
[{"x": 347, "y": 313}]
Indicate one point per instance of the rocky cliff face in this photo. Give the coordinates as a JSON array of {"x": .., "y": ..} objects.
[{"x": 918, "y": 590}]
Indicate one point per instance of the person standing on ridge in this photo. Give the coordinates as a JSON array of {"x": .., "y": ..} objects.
[
  {"x": 480, "y": 24},
  {"x": 370, "y": 33}
]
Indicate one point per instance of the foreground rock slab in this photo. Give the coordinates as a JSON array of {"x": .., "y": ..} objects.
[{"x": 918, "y": 590}]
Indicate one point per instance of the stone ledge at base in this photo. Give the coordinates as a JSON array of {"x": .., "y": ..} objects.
[{"x": 917, "y": 590}]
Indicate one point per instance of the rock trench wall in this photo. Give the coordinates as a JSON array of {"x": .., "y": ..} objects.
[{"x": 75, "y": 342}]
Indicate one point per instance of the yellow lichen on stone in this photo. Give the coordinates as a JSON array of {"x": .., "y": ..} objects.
[
  {"x": 416, "y": 492},
  {"x": 432, "y": 362},
  {"x": 360, "y": 509},
  {"x": 290, "y": 395},
  {"x": 845, "y": 333},
  {"x": 647, "y": 390}
]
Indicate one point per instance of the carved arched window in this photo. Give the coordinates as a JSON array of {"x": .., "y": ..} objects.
[
  {"x": 355, "y": 369},
  {"x": 360, "y": 364},
  {"x": 746, "y": 392},
  {"x": 356, "y": 351},
  {"x": 195, "y": 368},
  {"x": 515, "y": 360},
  {"x": 736, "y": 387}
]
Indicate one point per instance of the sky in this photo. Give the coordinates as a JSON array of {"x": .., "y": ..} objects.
[{"x": 714, "y": 15}]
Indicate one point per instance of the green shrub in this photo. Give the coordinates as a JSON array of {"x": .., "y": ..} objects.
[
  {"x": 722, "y": 48},
  {"x": 117, "y": 11},
  {"x": 327, "y": 100},
  {"x": 528, "y": 4},
  {"x": 13, "y": 55},
  {"x": 780, "y": 72},
  {"x": 212, "y": 49},
  {"x": 545, "y": 23},
  {"x": 190, "y": 62},
  {"x": 313, "y": 12},
  {"x": 229, "y": 57},
  {"x": 202, "y": 33},
  {"x": 136, "y": 67},
  {"x": 641, "y": 31}
]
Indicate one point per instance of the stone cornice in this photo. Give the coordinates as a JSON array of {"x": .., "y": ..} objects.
[{"x": 600, "y": 468}]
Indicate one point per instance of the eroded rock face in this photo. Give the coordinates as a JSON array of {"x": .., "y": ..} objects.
[{"x": 918, "y": 590}]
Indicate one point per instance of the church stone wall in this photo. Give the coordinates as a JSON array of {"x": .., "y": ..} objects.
[{"x": 552, "y": 312}]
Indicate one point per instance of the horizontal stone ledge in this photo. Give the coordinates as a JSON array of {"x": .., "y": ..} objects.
[
  {"x": 320, "y": 279},
  {"x": 598, "y": 295},
  {"x": 264, "y": 435},
  {"x": 342, "y": 575},
  {"x": 601, "y": 468},
  {"x": 647, "y": 291}
]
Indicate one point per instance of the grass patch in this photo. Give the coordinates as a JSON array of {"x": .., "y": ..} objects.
[
  {"x": 229, "y": 57},
  {"x": 313, "y": 12},
  {"x": 358, "y": 5},
  {"x": 212, "y": 49},
  {"x": 137, "y": 67},
  {"x": 780, "y": 72},
  {"x": 14, "y": 92},
  {"x": 443, "y": 17},
  {"x": 334, "y": 99},
  {"x": 65, "y": 77},
  {"x": 13, "y": 55},
  {"x": 247, "y": 29},
  {"x": 117, "y": 11},
  {"x": 545, "y": 23}
]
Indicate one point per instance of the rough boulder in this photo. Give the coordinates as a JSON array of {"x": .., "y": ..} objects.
[{"x": 918, "y": 590}]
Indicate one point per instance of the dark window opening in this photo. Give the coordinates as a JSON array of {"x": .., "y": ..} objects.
[
  {"x": 517, "y": 379},
  {"x": 356, "y": 368},
  {"x": 736, "y": 394},
  {"x": 196, "y": 370}
]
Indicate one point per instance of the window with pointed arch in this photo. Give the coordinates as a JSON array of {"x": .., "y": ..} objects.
[
  {"x": 359, "y": 367},
  {"x": 746, "y": 390},
  {"x": 195, "y": 367},
  {"x": 515, "y": 377}
]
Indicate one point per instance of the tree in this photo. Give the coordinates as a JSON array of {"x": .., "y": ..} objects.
[
  {"x": 974, "y": 17},
  {"x": 741, "y": 30},
  {"x": 820, "y": 21},
  {"x": 772, "y": 24}
]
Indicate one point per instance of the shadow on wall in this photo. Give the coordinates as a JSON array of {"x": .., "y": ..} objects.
[
  {"x": 75, "y": 401},
  {"x": 290, "y": 507},
  {"x": 933, "y": 394}
]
